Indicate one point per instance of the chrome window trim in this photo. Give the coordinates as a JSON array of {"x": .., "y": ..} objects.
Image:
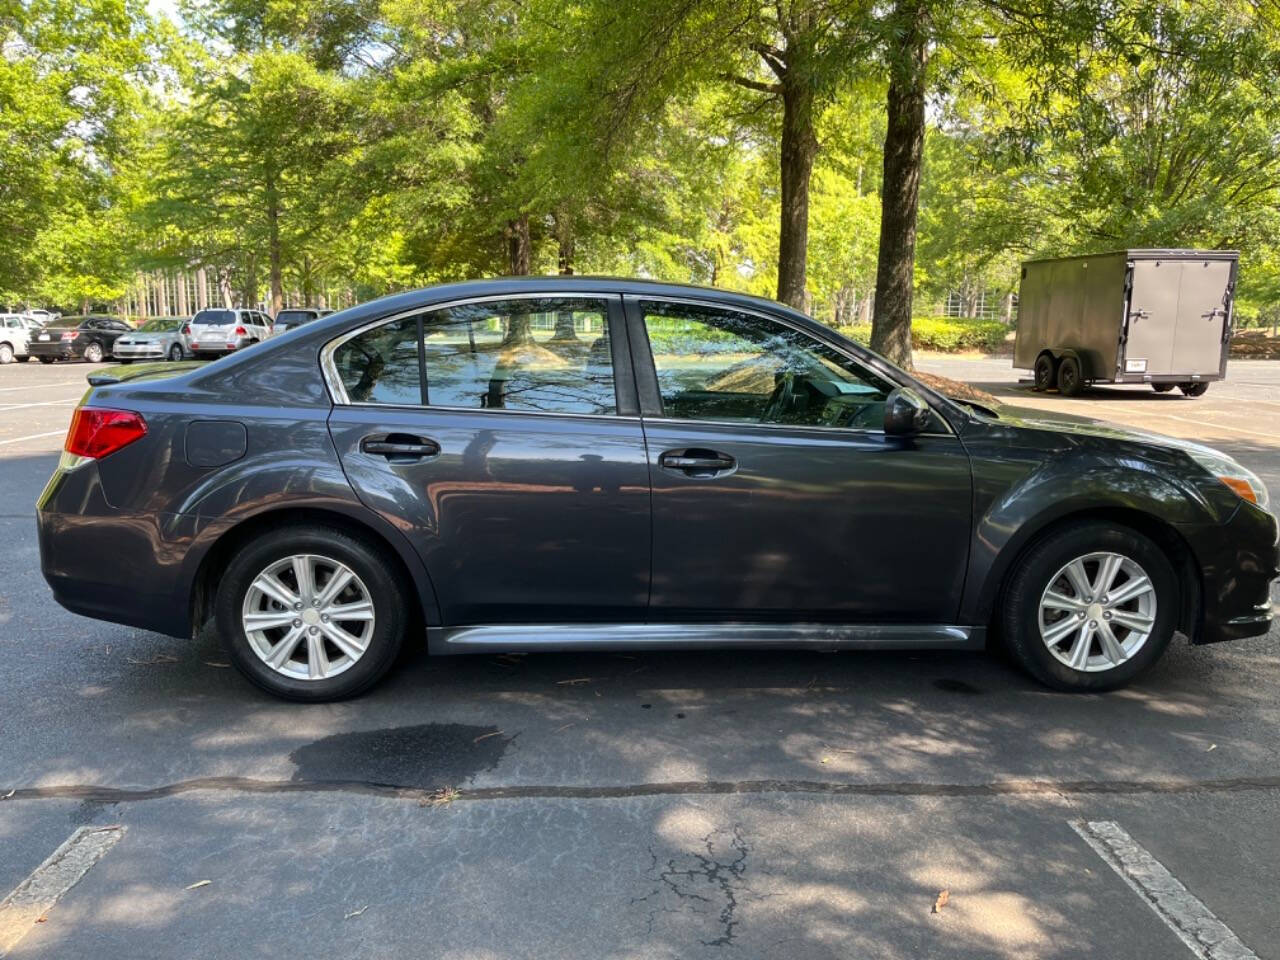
[
  {"x": 338, "y": 392},
  {"x": 786, "y": 322}
]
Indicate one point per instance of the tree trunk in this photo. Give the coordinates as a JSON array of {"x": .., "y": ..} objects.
[
  {"x": 308, "y": 283},
  {"x": 249, "y": 293},
  {"x": 183, "y": 305},
  {"x": 141, "y": 285},
  {"x": 273, "y": 244},
  {"x": 162, "y": 294},
  {"x": 202, "y": 289},
  {"x": 799, "y": 147},
  {"x": 900, "y": 194},
  {"x": 519, "y": 255}
]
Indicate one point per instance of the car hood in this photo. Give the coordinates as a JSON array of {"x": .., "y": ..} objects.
[{"x": 1033, "y": 419}]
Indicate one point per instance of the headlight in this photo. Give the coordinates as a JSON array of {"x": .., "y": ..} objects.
[{"x": 1244, "y": 483}]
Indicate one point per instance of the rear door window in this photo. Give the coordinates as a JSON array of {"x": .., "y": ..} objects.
[{"x": 538, "y": 355}]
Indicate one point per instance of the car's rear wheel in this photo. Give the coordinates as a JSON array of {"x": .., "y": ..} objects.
[
  {"x": 1091, "y": 606},
  {"x": 93, "y": 352},
  {"x": 22, "y": 359},
  {"x": 1194, "y": 389},
  {"x": 1045, "y": 372},
  {"x": 311, "y": 613}
]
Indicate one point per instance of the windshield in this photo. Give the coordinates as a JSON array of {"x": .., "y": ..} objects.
[{"x": 214, "y": 317}]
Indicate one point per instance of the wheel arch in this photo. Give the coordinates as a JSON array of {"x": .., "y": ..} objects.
[
  {"x": 1164, "y": 534},
  {"x": 424, "y": 611}
]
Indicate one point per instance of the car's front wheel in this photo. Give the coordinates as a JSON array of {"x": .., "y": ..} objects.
[
  {"x": 311, "y": 613},
  {"x": 175, "y": 353},
  {"x": 6, "y": 353},
  {"x": 1091, "y": 606},
  {"x": 46, "y": 359}
]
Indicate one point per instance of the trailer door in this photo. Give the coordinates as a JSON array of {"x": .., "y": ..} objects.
[
  {"x": 1153, "y": 316},
  {"x": 1202, "y": 317}
]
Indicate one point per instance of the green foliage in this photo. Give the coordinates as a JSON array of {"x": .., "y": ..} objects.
[{"x": 946, "y": 334}]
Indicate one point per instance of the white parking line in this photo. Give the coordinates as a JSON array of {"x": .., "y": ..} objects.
[
  {"x": 1182, "y": 912},
  {"x": 42, "y": 403},
  {"x": 36, "y": 895},
  {"x": 41, "y": 386},
  {"x": 34, "y": 436}
]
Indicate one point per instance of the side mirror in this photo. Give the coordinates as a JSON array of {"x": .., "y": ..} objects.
[{"x": 905, "y": 413}]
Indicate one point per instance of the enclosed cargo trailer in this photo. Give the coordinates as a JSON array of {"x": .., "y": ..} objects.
[{"x": 1162, "y": 317}]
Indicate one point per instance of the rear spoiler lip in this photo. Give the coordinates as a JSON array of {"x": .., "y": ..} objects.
[{"x": 118, "y": 374}]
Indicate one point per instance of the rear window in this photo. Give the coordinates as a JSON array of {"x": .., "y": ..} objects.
[
  {"x": 215, "y": 317},
  {"x": 294, "y": 317}
]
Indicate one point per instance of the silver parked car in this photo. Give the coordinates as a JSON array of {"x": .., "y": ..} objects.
[
  {"x": 161, "y": 338},
  {"x": 15, "y": 332}
]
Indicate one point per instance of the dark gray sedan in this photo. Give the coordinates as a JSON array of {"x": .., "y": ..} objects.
[{"x": 583, "y": 464}]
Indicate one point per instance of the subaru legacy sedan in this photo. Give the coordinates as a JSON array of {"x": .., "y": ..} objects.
[{"x": 587, "y": 464}]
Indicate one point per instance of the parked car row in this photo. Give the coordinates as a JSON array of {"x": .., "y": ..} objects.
[{"x": 94, "y": 338}]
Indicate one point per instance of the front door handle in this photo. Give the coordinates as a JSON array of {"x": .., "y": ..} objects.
[
  {"x": 697, "y": 462},
  {"x": 400, "y": 448}
]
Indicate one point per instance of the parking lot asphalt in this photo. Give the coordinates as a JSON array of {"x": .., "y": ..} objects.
[{"x": 626, "y": 806}]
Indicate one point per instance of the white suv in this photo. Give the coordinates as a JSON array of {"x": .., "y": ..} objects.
[
  {"x": 15, "y": 331},
  {"x": 217, "y": 331}
]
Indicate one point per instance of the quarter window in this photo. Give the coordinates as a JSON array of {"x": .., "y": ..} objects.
[
  {"x": 546, "y": 355},
  {"x": 725, "y": 365}
]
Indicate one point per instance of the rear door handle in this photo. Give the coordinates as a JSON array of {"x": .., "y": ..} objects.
[
  {"x": 696, "y": 461},
  {"x": 400, "y": 448}
]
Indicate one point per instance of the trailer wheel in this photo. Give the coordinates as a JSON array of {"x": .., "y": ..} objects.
[
  {"x": 1070, "y": 383},
  {"x": 1046, "y": 372},
  {"x": 1193, "y": 389},
  {"x": 1162, "y": 387}
]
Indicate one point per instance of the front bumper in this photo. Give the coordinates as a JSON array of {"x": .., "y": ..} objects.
[
  {"x": 1238, "y": 561},
  {"x": 138, "y": 351}
]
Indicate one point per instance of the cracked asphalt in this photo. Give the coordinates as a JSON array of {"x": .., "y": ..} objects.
[{"x": 659, "y": 805}]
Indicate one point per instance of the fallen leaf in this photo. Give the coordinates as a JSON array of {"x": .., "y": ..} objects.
[
  {"x": 574, "y": 682},
  {"x": 1212, "y": 746},
  {"x": 440, "y": 797},
  {"x": 42, "y": 919},
  {"x": 824, "y": 759},
  {"x": 199, "y": 883},
  {"x": 9, "y": 794},
  {"x": 943, "y": 899},
  {"x": 486, "y": 736},
  {"x": 355, "y": 913}
]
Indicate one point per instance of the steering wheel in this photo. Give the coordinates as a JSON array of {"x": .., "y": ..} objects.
[{"x": 781, "y": 398}]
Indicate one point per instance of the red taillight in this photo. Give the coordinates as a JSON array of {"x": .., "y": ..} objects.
[
  {"x": 96, "y": 432},
  {"x": 241, "y": 332},
  {"x": 186, "y": 330},
  {"x": 70, "y": 334}
]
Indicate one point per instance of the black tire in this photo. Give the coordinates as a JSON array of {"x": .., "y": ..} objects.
[
  {"x": 93, "y": 352},
  {"x": 46, "y": 359},
  {"x": 1194, "y": 389},
  {"x": 1032, "y": 575},
  {"x": 1070, "y": 381},
  {"x": 126, "y": 361},
  {"x": 22, "y": 359},
  {"x": 366, "y": 560},
  {"x": 6, "y": 353},
  {"x": 1046, "y": 372},
  {"x": 1162, "y": 387},
  {"x": 175, "y": 353}
]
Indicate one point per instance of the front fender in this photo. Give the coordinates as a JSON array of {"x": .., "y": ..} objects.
[{"x": 1017, "y": 498}]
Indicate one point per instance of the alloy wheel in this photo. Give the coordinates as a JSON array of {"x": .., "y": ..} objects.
[
  {"x": 308, "y": 617},
  {"x": 1097, "y": 612}
]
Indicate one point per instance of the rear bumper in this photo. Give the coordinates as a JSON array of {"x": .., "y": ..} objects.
[
  {"x": 109, "y": 565},
  {"x": 218, "y": 347},
  {"x": 58, "y": 351},
  {"x": 1238, "y": 561}
]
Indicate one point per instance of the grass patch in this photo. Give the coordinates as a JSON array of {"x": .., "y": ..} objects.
[{"x": 946, "y": 334}]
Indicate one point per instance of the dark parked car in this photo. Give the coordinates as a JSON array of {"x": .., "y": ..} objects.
[
  {"x": 296, "y": 316},
  {"x": 585, "y": 464},
  {"x": 69, "y": 338}
]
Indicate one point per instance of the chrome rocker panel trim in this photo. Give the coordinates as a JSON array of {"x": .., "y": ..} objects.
[{"x": 518, "y": 638}]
